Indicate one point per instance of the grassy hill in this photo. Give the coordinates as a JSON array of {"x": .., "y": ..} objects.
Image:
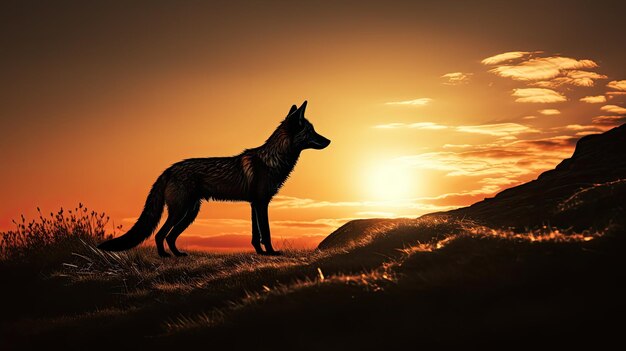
[
  {"x": 429, "y": 282},
  {"x": 458, "y": 279}
]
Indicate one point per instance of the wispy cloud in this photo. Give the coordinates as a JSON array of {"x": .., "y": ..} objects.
[
  {"x": 456, "y": 78},
  {"x": 549, "y": 112},
  {"x": 499, "y": 129},
  {"x": 617, "y": 85},
  {"x": 283, "y": 201},
  {"x": 594, "y": 99},
  {"x": 614, "y": 109},
  {"x": 414, "y": 102},
  {"x": 609, "y": 120},
  {"x": 507, "y": 56},
  {"x": 538, "y": 95},
  {"x": 379, "y": 214},
  {"x": 238, "y": 223},
  {"x": 508, "y": 160},
  {"x": 611, "y": 94},
  {"x": 456, "y": 146},
  {"x": 418, "y": 125},
  {"x": 582, "y": 130},
  {"x": 542, "y": 68},
  {"x": 417, "y": 204},
  {"x": 574, "y": 77}
]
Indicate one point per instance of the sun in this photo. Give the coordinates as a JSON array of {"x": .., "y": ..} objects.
[{"x": 389, "y": 181}]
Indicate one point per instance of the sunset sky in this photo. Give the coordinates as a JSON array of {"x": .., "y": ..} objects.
[{"x": 430, "y": 105}]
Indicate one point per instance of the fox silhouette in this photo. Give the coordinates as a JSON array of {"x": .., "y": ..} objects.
[{"x": 255, "y": 176}]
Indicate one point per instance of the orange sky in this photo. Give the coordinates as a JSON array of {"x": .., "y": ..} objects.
[{"x": 430, "y": 105}]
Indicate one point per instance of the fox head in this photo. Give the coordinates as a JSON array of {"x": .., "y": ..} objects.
[{"x": 301, "y": 131}]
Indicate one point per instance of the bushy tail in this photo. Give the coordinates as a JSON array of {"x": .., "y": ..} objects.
[{"x": 147, "y": 221}]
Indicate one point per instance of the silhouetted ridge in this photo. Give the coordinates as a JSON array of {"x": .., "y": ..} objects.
[
  {"x": 597, "y": 169},
  {"x": 586, "y": 191}
]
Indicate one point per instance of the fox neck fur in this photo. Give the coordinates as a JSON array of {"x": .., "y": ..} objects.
[{"x": 278, "y": 158}]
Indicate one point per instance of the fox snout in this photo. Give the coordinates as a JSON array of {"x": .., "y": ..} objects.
[{"x": 318, "y": 142}]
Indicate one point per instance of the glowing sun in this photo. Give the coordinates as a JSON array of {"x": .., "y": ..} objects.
[{"x": 389, "y": 181}]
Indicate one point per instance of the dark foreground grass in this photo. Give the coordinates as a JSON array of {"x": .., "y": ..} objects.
[{"x": 416, "y": 283}]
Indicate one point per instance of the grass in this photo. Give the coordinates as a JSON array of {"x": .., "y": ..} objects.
[
  {"x": 431, "y": 281},
  {"x": 46, "y": 240}
]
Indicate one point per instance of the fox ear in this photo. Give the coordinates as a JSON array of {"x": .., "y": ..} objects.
[
  {"x": 300, "y": 113},
  {"x": 293, "y": 109},
  {"x": 301, "y": 109}
]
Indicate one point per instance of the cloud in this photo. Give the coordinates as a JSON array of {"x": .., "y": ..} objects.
[
  {"x": 418, "y": 125},
  {"x": 588, "y": 132},
  {"x": 238, "y": 225},
  {"x": 582, "y": 130},
  {"x": 546, "y": 73},
  {"x": 583, "y": 78},
  {"x": 456, "y": 146},
  {"x": 557, "y": 143},
  {"x": 415, "y": 102},
  {"x": 456, "y": 78},
  {"x": 529, "y": 117},
  {"x": 617, "y": 85},
  {"x": 578, "y": 127},
  {"x": 509, "y": 160},
  {"x": 594, "y": 99},
  {"x": 230, "y": 222},
  {"x": 416, "y": 204},
  {"x": 323, "y": 223},
  {"x": 283, "y": 201},
  {"x": 543, "y": 68},
  {"x": 574, "y": 77},
  {"x": 377, "y": 214},
  {"x": 615, "y": 93},
  {"x": 497, "y": 181},
  {"x": 609, "y": 120},
  {"x": 499, "y": 129},
  {"x": 537, "y": 95},
  {"x": 507, "y": 56},
  {"x": 549, "y": 112},
  {"x": 614, "y": 109}
]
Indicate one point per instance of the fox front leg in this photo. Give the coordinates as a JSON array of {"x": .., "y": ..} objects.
[
  {"x": 256, "y": 233},
  {"x": 263, "y": 225}
]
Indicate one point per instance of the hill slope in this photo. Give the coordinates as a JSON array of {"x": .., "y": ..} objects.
[
  {"x": 586, "y": 191},
  {"x": 596, "y": 172}
]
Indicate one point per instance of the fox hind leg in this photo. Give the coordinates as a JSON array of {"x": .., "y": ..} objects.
[
  {"x": 162, "y": 233},
  {"x": 176, "y": 212},
  {"x": 190, "y": 215}
]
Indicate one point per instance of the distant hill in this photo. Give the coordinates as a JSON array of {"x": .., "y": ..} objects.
[{"x": 586, "y": 191}]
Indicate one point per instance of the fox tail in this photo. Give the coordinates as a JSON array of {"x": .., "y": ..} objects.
[{"x": 147, "y": 221}]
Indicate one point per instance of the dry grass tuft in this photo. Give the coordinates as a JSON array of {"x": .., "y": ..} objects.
[{"x": 61, "y": 231}]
